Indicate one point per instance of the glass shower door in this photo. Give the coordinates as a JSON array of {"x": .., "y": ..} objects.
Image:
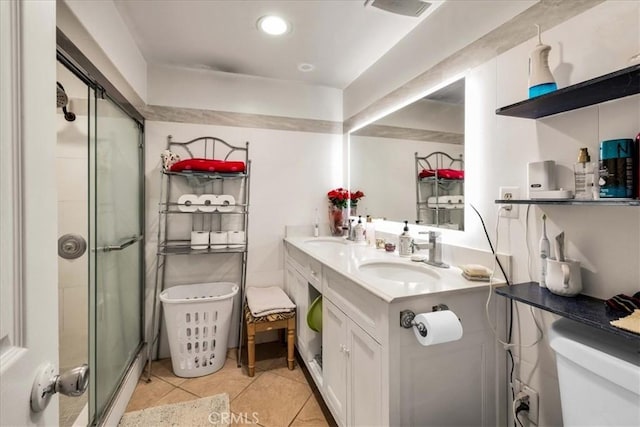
[{"x": 115, "y": 270}]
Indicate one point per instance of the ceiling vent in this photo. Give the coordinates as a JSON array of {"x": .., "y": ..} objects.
[{"x": 401, "y": 7}]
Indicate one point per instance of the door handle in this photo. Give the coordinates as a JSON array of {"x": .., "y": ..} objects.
[
  {"x": 126, "y": 243},
  {"x": 73, "y": 383}
]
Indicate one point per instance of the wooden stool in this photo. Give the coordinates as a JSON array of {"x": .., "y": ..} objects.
[{"x": 253, "y": 324}]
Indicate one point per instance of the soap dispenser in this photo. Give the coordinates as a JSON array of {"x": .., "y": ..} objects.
[
  {"x": 584, "y": 171},
  {"x": 405, "y": 241},
  {"x": 359, "y": 236}
]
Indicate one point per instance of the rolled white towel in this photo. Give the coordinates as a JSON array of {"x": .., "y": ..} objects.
[{"x": 269, "y": 300}]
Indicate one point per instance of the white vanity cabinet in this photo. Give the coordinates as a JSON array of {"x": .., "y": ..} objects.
[
  {"x": 373, "y": 372},
  {"x": 351, "y": 369}
]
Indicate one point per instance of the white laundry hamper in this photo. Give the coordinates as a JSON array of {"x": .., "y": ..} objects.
[{"x": 198, "y": 319}]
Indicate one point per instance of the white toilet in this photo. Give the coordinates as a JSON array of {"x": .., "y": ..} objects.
[{"x": 599, "y": 375}]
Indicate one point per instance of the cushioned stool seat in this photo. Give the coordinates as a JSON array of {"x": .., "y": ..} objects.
[{"x": 284, "y": 320}]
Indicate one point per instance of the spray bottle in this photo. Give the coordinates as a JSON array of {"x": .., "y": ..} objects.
[
  {"x": 545, "y": 250},
  {"x": 540, "y": 78}
]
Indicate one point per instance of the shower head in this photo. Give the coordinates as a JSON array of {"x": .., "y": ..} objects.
[
  {"x": 61, "y": 96},
  {"x": 62, "y": 100}
]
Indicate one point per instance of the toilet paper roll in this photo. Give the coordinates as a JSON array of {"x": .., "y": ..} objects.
[
  {"x": 225, "y": 203},
  {"x": 188, "y": 203},
  {"x": 208, "y": 202},
  {"x": 218, "y": 239},
  {"x": 199, "y": 239},
  {"x": 442, "y": 326},
  {"x": 235, "y": 239}
]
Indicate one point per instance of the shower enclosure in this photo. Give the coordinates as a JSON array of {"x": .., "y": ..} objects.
[{"x": 100, "y": 205}]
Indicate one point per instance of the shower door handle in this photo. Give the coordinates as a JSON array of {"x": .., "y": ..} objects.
[{"x": 126, "y": 243}]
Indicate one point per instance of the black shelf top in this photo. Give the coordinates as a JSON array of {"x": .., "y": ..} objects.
[
  {"x": 600, "y": 202},
  {"x": 615, "y": 85},
  {"x": 581, "y": 308}
]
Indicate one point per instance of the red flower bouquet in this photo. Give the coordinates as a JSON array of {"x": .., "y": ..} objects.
[{"x": 339, "y": 200}]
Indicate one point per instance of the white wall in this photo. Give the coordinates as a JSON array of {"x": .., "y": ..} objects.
[
  {"x": 105, "y": 25},
  {"x": 216, "y": 90},
  {"x": 605, "y": 239},
  {"x": 450, "y": 28},
  {"x": 291, "y": 173}
]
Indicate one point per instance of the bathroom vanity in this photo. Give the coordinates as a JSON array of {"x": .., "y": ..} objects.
[{"x": 369, "y": 369}]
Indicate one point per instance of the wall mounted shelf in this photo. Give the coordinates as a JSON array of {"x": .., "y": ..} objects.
[
  {"x": 618, "y": 84},
  {"x": 581, "y": 308},
  {"x": 564, "y": 202}
]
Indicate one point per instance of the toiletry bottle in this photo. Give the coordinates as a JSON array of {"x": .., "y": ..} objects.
[
  {"x": 315, "y": 225},
  {"x": 359, "y": 237},
  {"x": 370, "y": 232},
  {"x": 404, "y": 248},
  {"x": 545, "y": 250},
  {"x": 584, "y": 176}
]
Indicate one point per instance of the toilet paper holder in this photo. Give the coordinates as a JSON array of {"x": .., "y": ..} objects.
[{"x": 407, "y": 319}]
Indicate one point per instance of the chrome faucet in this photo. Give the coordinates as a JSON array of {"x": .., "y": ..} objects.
[{"x": 435, "y": 249}]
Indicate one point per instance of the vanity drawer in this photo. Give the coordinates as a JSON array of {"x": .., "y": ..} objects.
[
  {"x": 360, "y": 305},
  {"x": 315, "y": 274},
  {"x": 300, "y": 258}
]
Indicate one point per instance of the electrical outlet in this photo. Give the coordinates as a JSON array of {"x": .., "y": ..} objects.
[
  {"x": 533, "y": 403},
  {"x": 508, "y": 193},
  {"x": 532, "y": 414}
]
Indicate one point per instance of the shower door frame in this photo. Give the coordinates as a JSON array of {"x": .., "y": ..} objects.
[{"x": 77, "y": 63}]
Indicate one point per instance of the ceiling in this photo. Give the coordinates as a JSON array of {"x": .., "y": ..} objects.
[{"x": 341, "y": 38}]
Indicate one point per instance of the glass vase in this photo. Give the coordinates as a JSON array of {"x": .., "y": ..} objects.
[{"x": 338, "y": 218}]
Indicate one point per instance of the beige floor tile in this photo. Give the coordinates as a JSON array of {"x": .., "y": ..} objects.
[
  {"x": 163, "y": 370},
  {"x": 280, "y": 367},
  {"x": 241, "y": 420},
  {"x": 275, "y": 400},
  {"x": 177, "y": 395},
  {"x": 147, "y": 395},
  {"x": 311, "y": 415},
  {"x": 267, "y": 355},
  {"x": 230, "y": 379},
  {"x": 232, "y": 353}
]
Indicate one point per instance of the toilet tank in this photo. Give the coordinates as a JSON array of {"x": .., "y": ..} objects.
[{"x": 599, "y": 375}]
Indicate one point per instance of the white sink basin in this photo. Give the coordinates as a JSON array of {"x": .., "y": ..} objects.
[
  {"x": 327, "y": 241},
  {"x": 399, "y": 271}
]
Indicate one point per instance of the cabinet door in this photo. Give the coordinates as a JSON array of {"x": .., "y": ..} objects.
[
  {"x": 365, "y": 378},
  {"x": 334, "y": 366}
]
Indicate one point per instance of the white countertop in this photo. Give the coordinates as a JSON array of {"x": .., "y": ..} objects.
[{"x": 346, "y": 258}]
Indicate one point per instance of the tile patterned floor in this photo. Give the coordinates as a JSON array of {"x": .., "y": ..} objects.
[{"x": 278, "y": 397}]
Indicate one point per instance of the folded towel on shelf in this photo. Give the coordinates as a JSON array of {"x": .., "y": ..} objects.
[
  {"x": 269, "y": 300},
  {"x": 624, "y": 303},
  {"x": 629, "y": 323}
]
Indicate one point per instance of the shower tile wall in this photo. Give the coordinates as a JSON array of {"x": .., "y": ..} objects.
[{"x": 71, "y": 164}]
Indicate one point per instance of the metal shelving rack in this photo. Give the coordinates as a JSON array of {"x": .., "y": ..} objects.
[
  {"x": 438, "y": 187},
  {"x": 199, "y": 182}
]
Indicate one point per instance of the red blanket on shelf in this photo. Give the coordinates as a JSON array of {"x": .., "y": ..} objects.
[
  {"x": 208, "y": 165},
  {"x": 442, "y": 173}
]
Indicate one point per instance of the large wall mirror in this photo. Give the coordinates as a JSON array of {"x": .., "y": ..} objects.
[{"x": 410, "y": 163}]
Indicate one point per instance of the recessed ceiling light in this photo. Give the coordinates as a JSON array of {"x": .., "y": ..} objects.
[
  {"x": 273, "y": 25},
  {"x": 305, "y": 68}
]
